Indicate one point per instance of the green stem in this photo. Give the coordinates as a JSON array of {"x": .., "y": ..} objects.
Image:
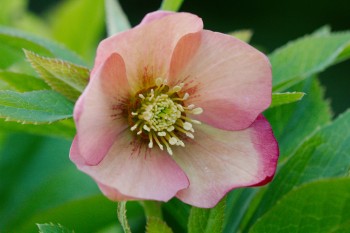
[{"x": 152, "y": 209}]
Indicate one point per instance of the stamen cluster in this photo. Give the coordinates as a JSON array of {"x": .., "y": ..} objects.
[{"x": 161, "y": 116}]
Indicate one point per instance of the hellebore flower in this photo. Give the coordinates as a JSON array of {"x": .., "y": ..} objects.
[{"x": 175, "y": 110}]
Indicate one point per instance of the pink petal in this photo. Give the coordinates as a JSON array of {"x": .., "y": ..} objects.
[
  {"x": 113, "y": 194},
  {"x": 132, "y": 171},
  {"x": 155, "y": 16},
  {"x": 217, "y": 161},
  {"x": 224, "y": 76},
  {"x": 147, "y": 48},
  {"x": 98, "y": 113}
]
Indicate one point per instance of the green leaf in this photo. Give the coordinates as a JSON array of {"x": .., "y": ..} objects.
[
  {"x": 317, "y": 207},
  {"x": 239, "y": 202},
  {"x": 294, "y": 122},
  {"x": 171, "y": 5},
  {"x": 22, "y": 82},
  {"x": 36, "y": 175},
  {"x": 244, "y": 35},
  {"x": 79, "y": 25},
  {"x": 177, "y": 212},
  {"x": 344, "y": 55},
  {"x": 34, "y": 107},
  {"x": 307, "y": 56},
  {"x": 285, "y": 98},
  {"x": 122, "y": 216},
  {"x": 12, "y": 43},
  {"x": 324, "y": 30},
  {"x": 64, "y": 128},
  {"x": 156, "y": 225},
  {"x": 64, "y": 77},
  {"x": 325, "y": 154},
  {"x": 116, "y": 19},
  {"x": 40, "y": 184},
  {"x": 207, "y": 220},
  {"x": 53, "y": 228}
]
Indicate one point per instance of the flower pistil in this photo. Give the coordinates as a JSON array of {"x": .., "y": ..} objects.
[{"x": 160, "y": 115}]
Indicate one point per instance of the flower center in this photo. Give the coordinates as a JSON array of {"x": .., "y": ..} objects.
[{"x": 160, "y": 116}]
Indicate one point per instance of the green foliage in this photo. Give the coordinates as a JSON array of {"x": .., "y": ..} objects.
[
  {"x": 52, "y": 228},
  {"x": 116, "y": 20},
  {"x": 285, "y": 98},
  {"x": 22, "y": 82},
  {"x": 152, "y": 209},
  {"x": 177, "y": 212},
  {"x": 8, "y": 8},
  {"x": 14, "y": 13},
  {"x": 39, "y": 184},
  {"x": 12, "y": 43},
  {"x": 62, "y": 128},
  {"x": 207, "y": 220},
  {"x": 156, "y": 225},
  {"x": 25, "y": 193},
  {"x": 294, "y": 122},
  {"x": 325, "y": 154},
  {"x": 317, "y": 207},
  {"x": 79, "y": 25},
  {"x": 171, "y": 5},
  {"x": 35, "y": 107},
  {"x": 238, "y": 207},
  {"x": 64, "y": 77},
  {"x": 307, "y": 56}
]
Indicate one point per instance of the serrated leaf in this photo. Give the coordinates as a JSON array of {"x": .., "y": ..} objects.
[
  {"x": 12, "y": 43},
  {"x": 64, "y": 77},
  {"x": 156, "y": 225},
  {"x": 307, "y": 56},
  {"x": 121, "y": 210},
  {"x": 22, "y": 82},
  {"x": 171, "y": 5},
  {"x": 34, "y": 107},
  {"x": 324, "y": 155},
  {"x": 317, "y": 207},
  {"x": 116, "y": 19},
  {"x": 207, "y": 220},
  {"x": 324, "y": 30},
  {"x": 53, "y": 228},
  {"x": 285, "y": 98},
  {"x": 244, "y": 34},
  {"x": 79, "y": 24}
]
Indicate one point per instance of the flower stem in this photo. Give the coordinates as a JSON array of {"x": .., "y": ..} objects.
[{"x": 152, "y": 209}]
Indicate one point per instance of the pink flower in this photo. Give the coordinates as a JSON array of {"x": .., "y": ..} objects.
[{"x": 175, "y": 110}]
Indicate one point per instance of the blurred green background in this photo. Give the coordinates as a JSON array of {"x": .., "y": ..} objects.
[{"x": 274, "y": 23}]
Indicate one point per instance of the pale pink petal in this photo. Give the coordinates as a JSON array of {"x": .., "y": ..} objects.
[
  {"x": 147, "y": 48},
  {"x": 98, "y": 113},
  {"x": 217, "y": 161},
  {"x": 224, "y": 76},
  {"x": 131, "y": 170},
  {"x": 155, "y": 16},
  {"x": 113, "y": 193}
]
